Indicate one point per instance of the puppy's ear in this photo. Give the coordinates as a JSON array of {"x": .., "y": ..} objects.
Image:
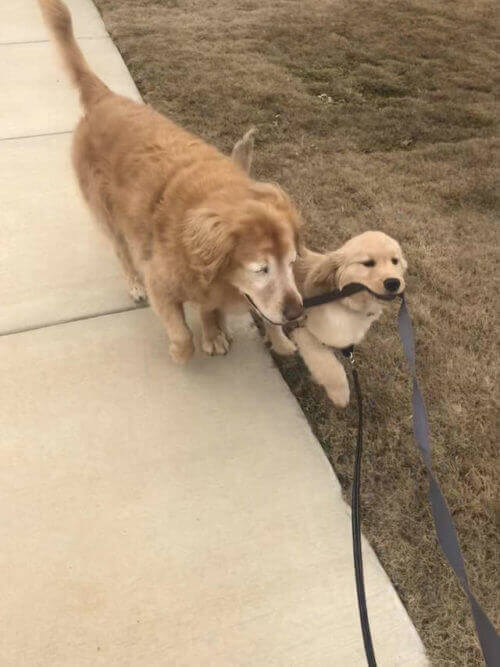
[
  {"x": 243, "y": 151},
  {"x": 209, "y": 241},
  {"x": 325, "y": 271}
]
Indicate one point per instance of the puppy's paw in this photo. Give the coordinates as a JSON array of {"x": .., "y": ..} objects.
[
  {"x": 137, "y": 291},
  {"x": 181, "y": 351},
  {"x": 338, "y": 394},
  {"x": 279, "y": 342},
  {"x": 220, "y": 344},
  {"x": 283, "y": 346}
]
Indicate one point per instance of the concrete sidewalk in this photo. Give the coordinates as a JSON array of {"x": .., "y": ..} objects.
[{"x": 149, "y": 515}]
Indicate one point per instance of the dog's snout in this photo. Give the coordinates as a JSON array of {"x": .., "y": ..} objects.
[
  {"x": 292, "y": 309},
  {"x": 392, "y": 284}
]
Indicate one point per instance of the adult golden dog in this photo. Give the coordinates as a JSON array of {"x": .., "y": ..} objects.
[
  {"x": 187, "y": 223},
  {"x": 373, "y": 259}
]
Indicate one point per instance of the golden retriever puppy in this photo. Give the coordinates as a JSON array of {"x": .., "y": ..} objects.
[
  {"x": 373, "y": 259},
  {"x": 187, "y": 223}
]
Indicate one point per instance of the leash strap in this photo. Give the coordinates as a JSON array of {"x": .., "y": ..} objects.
[
  {"x": 334, "y": 295},
  {"x": 348, "y": 290},
  {"x": 356, "y": 524},
  {"x": 445, "y": 529}
]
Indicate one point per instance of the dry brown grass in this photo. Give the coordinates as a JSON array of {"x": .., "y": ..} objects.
[{"x": 402, "y": 140}]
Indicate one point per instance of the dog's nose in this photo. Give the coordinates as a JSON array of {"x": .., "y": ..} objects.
[
  {"x": 292, "y": 309},
  {"x": 392, "y": 284}
]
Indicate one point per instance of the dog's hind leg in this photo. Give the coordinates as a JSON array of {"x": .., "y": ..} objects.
[
  {"x": 214, "y": 338},
  {"x": 135, "y": 285}
]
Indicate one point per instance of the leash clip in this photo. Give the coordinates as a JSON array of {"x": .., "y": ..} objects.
[{"x": 348, "y": 353}]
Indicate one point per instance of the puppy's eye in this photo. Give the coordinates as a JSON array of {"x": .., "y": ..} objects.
[
  {"x": 394, "y": 260},
  {"x": 369, "y": 263},
  {"x": 262, "y": 269}
]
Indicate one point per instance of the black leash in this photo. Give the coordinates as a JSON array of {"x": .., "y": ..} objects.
[
  {"x": 356, "y": 520},
  {"x": 348, "y": 290},
  {"x": 443, "y": 522}
]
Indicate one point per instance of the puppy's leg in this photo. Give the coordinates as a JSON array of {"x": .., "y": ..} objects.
[
  {"x": 280, "y": 343},
  {"x": 135, "y": 286},
  {"x": 325, "y": 368},
  {"x": 171, "y": 312},
  {"x": 214, "y": 338}
]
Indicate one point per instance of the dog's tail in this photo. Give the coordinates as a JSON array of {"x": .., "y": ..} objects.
[
  {"x": 243, "y": 150},
  {"x": 58, "y": 19}
]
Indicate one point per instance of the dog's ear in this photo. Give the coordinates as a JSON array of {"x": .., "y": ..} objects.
[
  {"x": 209, "y": 241},
  {"x": 243, "y": 151},
  {"x": 272, "y": 193},
  {"x": 325, "y": 271}
]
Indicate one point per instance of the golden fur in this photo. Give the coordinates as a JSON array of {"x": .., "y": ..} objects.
[
  {"x": 187, "y": 223},
  {"x": 372, "y": 259}
]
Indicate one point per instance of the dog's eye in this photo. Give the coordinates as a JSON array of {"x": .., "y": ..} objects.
[
  {"x": 395, "y": 260},
  {"x": 263, "y": 269},
  {"x": 369, "y": 262}
]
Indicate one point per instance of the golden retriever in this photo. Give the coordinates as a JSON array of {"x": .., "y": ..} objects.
[
  {"x": 187, "y": 223},
  {"x": 373, "y": 259}
]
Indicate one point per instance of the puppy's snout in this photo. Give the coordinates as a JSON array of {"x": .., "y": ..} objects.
[
  {"x": 292, "y": 308},
  {"x": 392, "y": 284}
]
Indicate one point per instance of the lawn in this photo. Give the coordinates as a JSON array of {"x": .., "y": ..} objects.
[{"x": 373, "y": 115}]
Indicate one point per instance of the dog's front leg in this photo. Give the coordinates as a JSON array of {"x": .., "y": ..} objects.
[
  {"x": 171, "y": 312},
  {"x": 325, "y": 368},
  {"x": 280, "y": 343},
  {"x": 214, "y": 338}
]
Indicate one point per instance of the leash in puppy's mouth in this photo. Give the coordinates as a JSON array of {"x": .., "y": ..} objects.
[{"x": 348, "y": 290}]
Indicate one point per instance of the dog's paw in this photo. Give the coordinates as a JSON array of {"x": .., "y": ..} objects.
[
  {"x": 181, "y": 351},
  {"x": 137, "y": 291},
  {"x": 283, "y": 346},
  {"x": 338, "y": 394},
  {"x": 218, "y": 345}
]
